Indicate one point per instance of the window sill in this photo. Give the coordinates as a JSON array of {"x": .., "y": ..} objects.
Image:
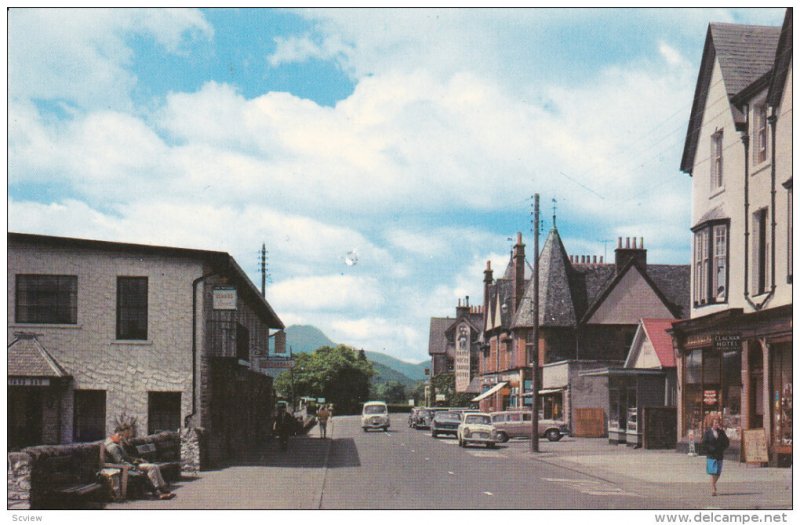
[
  {"x": 716, "y": 192},
  {"x": 46, "y": 325},
  {"x": 715, "y": 303},
  {"x": 132, "y": 342}
]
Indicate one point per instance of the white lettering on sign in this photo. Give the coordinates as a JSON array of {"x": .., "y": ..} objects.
[
  {"x": 224, "y": 299},
  {"x": 28, "y": 381}
]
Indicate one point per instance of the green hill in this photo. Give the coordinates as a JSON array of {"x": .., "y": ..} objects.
[
  {"x": 304, "y": 339},
  {"x": 384, "y": 374},
  {"x": 410, "y": 370}
]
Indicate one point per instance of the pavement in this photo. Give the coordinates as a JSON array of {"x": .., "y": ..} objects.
[{"x": 270, "y": 477}]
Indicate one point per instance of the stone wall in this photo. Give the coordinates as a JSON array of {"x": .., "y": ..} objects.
[
  {"x": 19, "y": 481},
  {"x": 192, "y": 442}
]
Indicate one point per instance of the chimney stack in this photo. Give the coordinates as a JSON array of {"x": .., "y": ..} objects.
[
  {"x": 518, "y": 277},
  {"x": 636, "y": 252}
]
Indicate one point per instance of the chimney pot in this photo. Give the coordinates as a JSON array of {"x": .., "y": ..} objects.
[
  {"x": 519, "y": 237},
  {"x": 641, "y": 243},
  {"x": 634, "y": 243},
  {"x": 601, "y": 259},
  {"x": 619, "y": 242},
  {"x": 627, "y": 243},
  {"x": 594, "y": 259},
  {"x": 467, "y": 303}
]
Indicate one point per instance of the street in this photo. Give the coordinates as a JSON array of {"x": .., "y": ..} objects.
[{"x": 407, "y": 469}]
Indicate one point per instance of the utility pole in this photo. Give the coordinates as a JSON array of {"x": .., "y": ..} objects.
[
  {"x": 535, "y": 331},
  {"x": 263, "y": 270}
]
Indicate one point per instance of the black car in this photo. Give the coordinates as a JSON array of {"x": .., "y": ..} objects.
[{"x": 445, "y": 423}]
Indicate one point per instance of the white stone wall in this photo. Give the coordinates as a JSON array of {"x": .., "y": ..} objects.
[{"x": 89, "y": 351}]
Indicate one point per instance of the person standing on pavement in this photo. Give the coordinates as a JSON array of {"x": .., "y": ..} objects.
[
  {"x": 284, "y": 424},
  {"x": 323, "y": 414},
  {"x": 715, "y": 442}
]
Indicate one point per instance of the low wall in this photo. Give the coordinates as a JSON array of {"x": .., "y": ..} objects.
[{"x": 29, "y": 469}]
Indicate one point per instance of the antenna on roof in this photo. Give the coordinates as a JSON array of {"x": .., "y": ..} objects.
[{"x": 605, "y": 247}]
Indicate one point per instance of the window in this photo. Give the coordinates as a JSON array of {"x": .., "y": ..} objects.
[
  {"x": 163, "y": 411},
  {"x": 710, "y": 263},
  {"x": 760, "y": 132},
  {"x": 716, "y": 161},
  {"x": 47, "y": 299},
  {"x": 712, "y": 386},
  {"x": 90, "y": 415},
  {"x": 242, "y": 342},
  {"x": 759, "y": 284},
  {"x": 132, "y": 308}
]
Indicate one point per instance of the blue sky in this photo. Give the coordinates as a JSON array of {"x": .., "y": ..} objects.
[{"x": 411, "y": 137}]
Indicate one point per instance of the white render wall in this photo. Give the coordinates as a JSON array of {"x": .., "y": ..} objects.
[{"x": 89, "y": 351}]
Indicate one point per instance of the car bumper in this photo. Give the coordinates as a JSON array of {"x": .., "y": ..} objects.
[
  {"x": 453, "y": 431},
  {"x": 478, "y": 438}
]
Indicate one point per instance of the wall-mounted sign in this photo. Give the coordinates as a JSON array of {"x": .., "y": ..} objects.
[
  {"x": 224, "y": 299},
  {"x": 280, "y": 342},
  {"x": 28, "y": 381},
  {"x": 277, "y": 363}
]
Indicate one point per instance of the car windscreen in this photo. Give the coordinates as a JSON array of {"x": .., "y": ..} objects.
[
  {"x": 447, "y": 416},
  {"x": 374, "y": 409},
  {"x": 474, "y": 419}
]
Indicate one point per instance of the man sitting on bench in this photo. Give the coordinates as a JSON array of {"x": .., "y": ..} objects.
[{"x": 117, "y": 452}]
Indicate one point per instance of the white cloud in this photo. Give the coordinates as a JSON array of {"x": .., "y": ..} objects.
[
  {"x": 329, "y": 292},
  {"x": 302, "y": 48}
]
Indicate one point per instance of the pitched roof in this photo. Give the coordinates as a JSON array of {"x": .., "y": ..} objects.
[
  {"x": 745, "y": 53},
  {"x": 437, "y": 341},
  {"x": 656, "y": 330},
  {"x": 28, "y": 358},
  {"x": 783, "y": 58},
  {"x": 568, "y": 292}
]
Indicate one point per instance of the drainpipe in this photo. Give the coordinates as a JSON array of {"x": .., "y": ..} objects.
[{"x": 190, "y": 417}]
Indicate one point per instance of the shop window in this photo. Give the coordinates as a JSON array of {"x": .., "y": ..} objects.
[
  {"x": 163, "y": 411},
  {"x": 132, "y": 308},
  {"x": 712, "y": 386},
  {"x": 47, "y": 299},
  {"x": 781, "y": 375},
  {"x": 90, "y": 415}
]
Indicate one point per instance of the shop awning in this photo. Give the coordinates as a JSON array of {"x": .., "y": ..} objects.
[
  {"x": 545, "y": 391},
  {"x": 489, "y": 392}
]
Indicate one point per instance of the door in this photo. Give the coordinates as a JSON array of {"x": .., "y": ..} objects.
[{"x": 24, "y": 417}]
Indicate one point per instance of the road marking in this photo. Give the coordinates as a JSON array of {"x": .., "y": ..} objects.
[
  {"x": 451, "y": 473},
  {"x": 592, "y": 488},
  {"x": 484, "y": 454},
  {"x": 427, "y": 459},
  {"x": 488, "y": 493}
]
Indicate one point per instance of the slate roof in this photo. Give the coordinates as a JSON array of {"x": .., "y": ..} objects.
[
  {"x": 502, "y": 288},
  {"x": 567, "y": 292},
  {"x": 783, "y": 58},
  {"x": 437, "y": 341},
  {"x": 745, "y": 54},
  {"x": 656, "y": 330},
  {"x": 509, "y": 273},
  {"x": 28, "y": 358}
]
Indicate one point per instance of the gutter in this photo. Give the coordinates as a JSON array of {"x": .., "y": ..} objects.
[{"x": 190, "y": 417}]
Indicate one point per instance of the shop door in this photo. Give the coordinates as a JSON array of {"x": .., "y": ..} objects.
[{"x": 24, "y": 417}]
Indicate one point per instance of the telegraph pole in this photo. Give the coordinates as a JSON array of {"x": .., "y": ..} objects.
[
  {"x": 535, "y": 331},
  {"x": 263, "y": 270}
]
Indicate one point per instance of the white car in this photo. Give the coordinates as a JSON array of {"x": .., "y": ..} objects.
[
  {"x": 375, "y": 415},
  {"x": 477, "y": 428}
]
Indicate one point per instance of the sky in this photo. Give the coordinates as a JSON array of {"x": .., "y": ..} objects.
[{"x": 382, "y": 156}]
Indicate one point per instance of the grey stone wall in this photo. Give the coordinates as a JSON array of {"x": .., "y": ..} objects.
[
  {"x": 192, "y": 442},
  {"x": 19, "y": 481}
]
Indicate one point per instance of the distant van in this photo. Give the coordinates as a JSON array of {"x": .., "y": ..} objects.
[{"x": 375, "y": 415}]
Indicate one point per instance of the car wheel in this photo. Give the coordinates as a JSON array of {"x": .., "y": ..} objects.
[
  {"x": 434, "y": 434},
  {"x": 460, "y": 443},
  {"x": 365, "y": 429},
  {"x": 502, "y": 437},
  {"x": 385, "y": 429},
  {"x": 553, "y": 434},
  {"x": 490, "y": 445}
]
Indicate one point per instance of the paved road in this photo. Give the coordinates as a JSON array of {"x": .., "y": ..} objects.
[{"x": 407, "y": 469}]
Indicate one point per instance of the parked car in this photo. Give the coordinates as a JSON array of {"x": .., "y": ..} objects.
[
  {"x": 477, "y": 428},
  {"x": 375, "y": 415},
  {"x": 426, "y": 416},
  {"x": 517, "y": 423},
  {"x": 445, "y": 423}
]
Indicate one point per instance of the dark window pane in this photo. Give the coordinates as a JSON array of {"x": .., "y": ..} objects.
[
  {"x": 47, "y": 299},
  {"x": 132, "y": 308},
  {"x": 163, "y": 411}
]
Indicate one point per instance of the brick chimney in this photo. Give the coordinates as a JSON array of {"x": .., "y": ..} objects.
[
  {"x": 518, "y": 286},
  {"x": 630, "y": 251}
]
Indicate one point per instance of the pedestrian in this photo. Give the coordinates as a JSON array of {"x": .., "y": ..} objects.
[
  {"x": 117, "y": 452},
  {"x": 323, "y": 414},
  {"x": 283, "y": 426},
  {"x": 715, "y": 442}
]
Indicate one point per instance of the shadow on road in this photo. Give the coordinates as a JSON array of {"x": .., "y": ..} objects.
[{"x": 344, "y": 453}]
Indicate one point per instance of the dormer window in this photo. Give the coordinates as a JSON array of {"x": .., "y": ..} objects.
[{"x": 716, "y": 161}]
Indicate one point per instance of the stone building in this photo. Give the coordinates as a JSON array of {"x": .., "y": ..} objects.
[
  {"x": 170, "y": 336},
  {"x": 735, "y": 352},
  {"x": 589, "y": 311},
  {"x": 453, "y": 344}
]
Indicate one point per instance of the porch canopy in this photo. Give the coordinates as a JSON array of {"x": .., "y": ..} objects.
[{"x": 489, "y": 392}]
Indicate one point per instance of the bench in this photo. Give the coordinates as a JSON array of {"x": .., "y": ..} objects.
[
  {"x": 66, "y": 480},
  {"x": 165, "y": 454}
]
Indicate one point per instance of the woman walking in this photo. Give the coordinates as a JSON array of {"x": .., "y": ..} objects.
[{"x": 715, "y": 442}]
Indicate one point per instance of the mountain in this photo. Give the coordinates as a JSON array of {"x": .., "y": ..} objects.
[
  {"x": 307, "y": 338},
  {"x": 304, "y": 339},
  {"x": 410, "y": 370}
]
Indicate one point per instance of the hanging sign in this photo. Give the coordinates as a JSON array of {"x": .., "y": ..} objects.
[{"x": 710, "y": 397}]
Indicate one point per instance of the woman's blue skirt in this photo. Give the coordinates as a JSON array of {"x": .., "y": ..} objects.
[{"x": 713, "y": 466}]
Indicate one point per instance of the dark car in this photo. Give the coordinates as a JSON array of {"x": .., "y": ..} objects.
[{"x": 445, "y": 423}]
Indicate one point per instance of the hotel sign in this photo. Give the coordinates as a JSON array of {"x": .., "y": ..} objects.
[
  {"x": 28, "y": 381},
  {"x": 727, "y": 342},
  {"x": 224, "y": 299}
]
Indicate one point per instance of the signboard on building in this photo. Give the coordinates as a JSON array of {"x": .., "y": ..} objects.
[
  {"x": 462, "y": 357},
  {"x": 271, "y": 362},
  {"x": 755, "y": 446},
  {"x": 224, "y": 298},
  {"x": 441, "y": 397},
  {"x": 28, "y": 381},
  {"x": 710, "y": 397},
  {"x": 727, "y": 342},
  {"x": 280, "y": 342}
]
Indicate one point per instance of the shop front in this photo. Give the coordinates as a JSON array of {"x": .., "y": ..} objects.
[{"x": 738, "y": 367}]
